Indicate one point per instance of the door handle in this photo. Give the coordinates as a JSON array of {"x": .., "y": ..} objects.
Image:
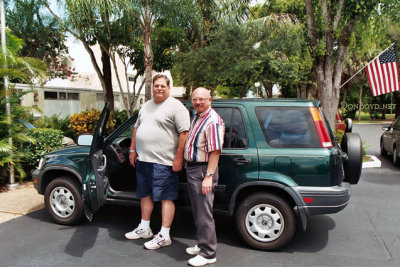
[
  {"x": 242, "y": 161},
  {"x": 101, "y": 169}
]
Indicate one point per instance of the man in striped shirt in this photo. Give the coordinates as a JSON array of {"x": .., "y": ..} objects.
[{"x": 202, "y": 150}]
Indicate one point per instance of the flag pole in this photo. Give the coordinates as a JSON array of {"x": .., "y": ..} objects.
[{"x": 366, "y": 65}]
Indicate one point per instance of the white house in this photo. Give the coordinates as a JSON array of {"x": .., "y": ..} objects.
[{"x": 83, "y": 91}]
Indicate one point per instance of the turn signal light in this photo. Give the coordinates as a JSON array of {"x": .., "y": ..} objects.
[{"x": 35, "y": 181}]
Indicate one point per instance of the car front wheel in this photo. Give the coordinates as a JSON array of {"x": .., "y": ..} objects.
[
  {"x": 383, "y": 151},
  {"x": 63, "y": 200},
  {"x": 265, "y": 221}
]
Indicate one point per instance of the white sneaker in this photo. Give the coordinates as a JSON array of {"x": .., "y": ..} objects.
[
  {"x": 193, "y": 250},
  {"x": 157, "y": 242},
  {"x": 139, "y": 233},
  {"x": 201, "y": 261}
]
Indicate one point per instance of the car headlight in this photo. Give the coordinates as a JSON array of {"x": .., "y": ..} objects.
[{"x": 41, "y": 162}]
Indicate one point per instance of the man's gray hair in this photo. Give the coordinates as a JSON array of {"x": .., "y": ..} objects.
[{"x": 160, "y": 75}]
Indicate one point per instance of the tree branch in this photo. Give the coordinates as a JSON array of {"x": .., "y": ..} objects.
[{"x": 338, "y": 15}]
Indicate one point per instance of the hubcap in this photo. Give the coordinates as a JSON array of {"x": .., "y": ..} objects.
[
  {"x": 264, "y": 223},
  {"x": 62, "y": 202}
]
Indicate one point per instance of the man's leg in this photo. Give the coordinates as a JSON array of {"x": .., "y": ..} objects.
[
  {"x": 167, "y": 213},
  {"x": 146, "y": 206}
]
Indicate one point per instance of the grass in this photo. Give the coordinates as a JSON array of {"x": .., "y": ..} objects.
[{"x": 365, "y": 118}]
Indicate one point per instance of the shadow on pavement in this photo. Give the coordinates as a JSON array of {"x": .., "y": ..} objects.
[{"x": 118, "y": 220}]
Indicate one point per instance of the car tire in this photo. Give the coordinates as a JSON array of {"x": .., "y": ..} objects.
[
  {"x": 396, "y": 160},
  {"x": 351, "y": 144},
  {"x": 265, "y": 221},
  {"x": 63, "y": 200},
  {"x": 383, "y": 151}
]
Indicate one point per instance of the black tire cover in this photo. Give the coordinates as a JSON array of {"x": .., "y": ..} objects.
[{"x": 351, "y": 144}]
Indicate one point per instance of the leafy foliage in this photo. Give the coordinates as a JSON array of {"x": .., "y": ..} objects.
[
  {"x": 86, "y": 122},
  {"x": 55, "y": 122},
  {"x": 46, "y": 140},
  {"x": 22, "y": 70},
  {"x": 43, "y": 36}
]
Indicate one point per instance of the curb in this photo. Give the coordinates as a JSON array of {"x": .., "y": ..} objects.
[{"x": 375, "y": 163}]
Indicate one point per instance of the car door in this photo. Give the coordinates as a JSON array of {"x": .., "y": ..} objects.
[
  {"x": 96, "y": 184},
  {"x": 389, "y": 136},
  {"x": 238, "y": 162}
]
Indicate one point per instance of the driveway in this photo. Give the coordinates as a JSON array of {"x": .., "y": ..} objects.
[{"x": 365, "y": 233}]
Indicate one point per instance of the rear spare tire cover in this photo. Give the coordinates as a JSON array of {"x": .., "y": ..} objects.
[{"x": 351, "y": 144}]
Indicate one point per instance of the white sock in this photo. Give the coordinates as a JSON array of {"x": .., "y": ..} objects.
[
  {"x": 165, "y": 232},
  {"x": 145, "y": 224}
]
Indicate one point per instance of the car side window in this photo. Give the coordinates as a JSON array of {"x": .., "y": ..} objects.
[
  {"x": 287, "y": 127},
  {"x": 235, "y": 132}
]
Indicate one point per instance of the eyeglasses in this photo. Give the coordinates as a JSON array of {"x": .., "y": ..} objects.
[
  {"x": 159, "y": 86},
  {"x": 201, "y": 100}
]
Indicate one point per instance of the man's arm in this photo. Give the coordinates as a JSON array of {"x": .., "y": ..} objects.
[
  {"x": 133, "y": 155},
  {"x": 206, "y": 186},
  {"x": 178, "y": 161}
]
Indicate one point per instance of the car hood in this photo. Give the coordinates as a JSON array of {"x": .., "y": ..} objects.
[{"x": 69, "y": 150}]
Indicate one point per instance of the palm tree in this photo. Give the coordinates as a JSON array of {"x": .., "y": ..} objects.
[{"x": 22, "y": 70}]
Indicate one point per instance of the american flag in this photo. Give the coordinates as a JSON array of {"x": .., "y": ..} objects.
[{"x": 383, "y": 74}]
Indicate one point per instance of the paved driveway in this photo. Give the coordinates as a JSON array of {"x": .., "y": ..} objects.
[{"x": 366, "y": 233}]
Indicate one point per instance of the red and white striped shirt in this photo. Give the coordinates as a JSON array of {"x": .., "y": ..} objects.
[{"x": 206, "y": 134}]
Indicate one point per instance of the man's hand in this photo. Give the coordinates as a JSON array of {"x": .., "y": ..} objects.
[
  {"x": 177, "y": 165},
  {"x": 133, "y": 158},
  {"x": 206, "y": 186}
]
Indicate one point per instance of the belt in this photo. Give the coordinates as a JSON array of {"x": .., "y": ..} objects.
[{"x": 193, "y": 163}]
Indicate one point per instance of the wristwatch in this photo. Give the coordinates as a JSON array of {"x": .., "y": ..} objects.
[
  {"x": 209, "y": 174},
  {"x": 132, "y": 150}
]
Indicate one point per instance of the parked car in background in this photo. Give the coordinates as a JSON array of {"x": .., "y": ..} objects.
[
  {"x": 280, "y": 164},
  {"x": 390, "y": 141},
  {"x": 65, "y": 142}
]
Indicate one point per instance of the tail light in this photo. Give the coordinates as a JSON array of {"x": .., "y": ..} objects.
[{"x": 324, "y": 138}]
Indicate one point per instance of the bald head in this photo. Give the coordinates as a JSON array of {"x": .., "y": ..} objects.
[
  {"x": 201, "y": 99},
  {"x": 202, "y": 91}
]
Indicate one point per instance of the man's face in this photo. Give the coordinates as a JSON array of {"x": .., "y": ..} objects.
[
  {"x": 201, "y": 101},
  {"x": 160, "y": 90}
]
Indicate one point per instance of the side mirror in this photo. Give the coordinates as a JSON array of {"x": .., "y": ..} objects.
[
  {"x": 385, "y": 128},
  {"x": 349, "y": 125},
  {"x": 85, "y": 139}
]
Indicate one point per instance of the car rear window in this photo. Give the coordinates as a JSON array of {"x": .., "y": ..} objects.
[{"x": 288, "y": 127}]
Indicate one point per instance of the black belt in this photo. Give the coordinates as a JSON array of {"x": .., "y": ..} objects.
[{"x": 193, "y": 163}]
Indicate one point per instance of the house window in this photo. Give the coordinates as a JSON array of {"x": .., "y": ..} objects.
[
  {"x": 73, "y": 96},
  {"x": 60, "y": 95},
  {"x": 131, "y": 78},
  {"x": 50, "y": 95}
]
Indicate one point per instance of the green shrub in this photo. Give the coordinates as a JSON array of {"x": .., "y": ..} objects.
[
  {"x": 339, "y": 134},
  {"x": 55, "y": 122},
  {"x": 46, "y": 141},
  {"x": 120, "y": 116}
]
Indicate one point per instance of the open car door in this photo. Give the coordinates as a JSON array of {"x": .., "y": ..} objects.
[{"x": 96, "y": 184}]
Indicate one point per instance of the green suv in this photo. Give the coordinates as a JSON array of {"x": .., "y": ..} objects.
[{"x": 279, "y": 165}]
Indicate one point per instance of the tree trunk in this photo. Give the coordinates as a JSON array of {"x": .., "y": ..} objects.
[
  {"x": 109, "y": 96},
  {"x": 344, "y": 100},
  {"x": 360, "y": 104},
  {"x": 244, "y": 89},
  {"x": 268, "y": 88},
  {"x": 397, "y": 102},
  {"x": 125, "y": 97},
  {"x": 148, "y": 59}
]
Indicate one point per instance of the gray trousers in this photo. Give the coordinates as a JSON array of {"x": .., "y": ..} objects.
[{"x": 202, "y": 208}]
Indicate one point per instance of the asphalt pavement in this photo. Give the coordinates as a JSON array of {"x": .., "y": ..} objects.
[{"x": 365, "y": 233}]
